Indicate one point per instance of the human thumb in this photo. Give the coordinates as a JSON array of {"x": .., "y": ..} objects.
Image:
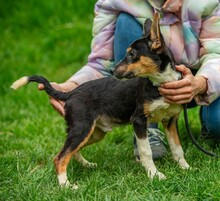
[{"x": 183, "y": 70}]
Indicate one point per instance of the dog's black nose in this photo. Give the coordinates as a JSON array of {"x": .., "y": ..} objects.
[{"x": 111, "y": 71}]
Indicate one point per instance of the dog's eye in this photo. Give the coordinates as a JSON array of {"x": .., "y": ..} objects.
[{"x": 132, "y": 54}]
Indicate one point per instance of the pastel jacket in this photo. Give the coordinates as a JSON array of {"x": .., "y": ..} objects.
[{"x": 191, "y": 29}]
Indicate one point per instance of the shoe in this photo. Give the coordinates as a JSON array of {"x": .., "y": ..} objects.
[
  {"x": 207, "y": 137},
  {"x": 204, "y": 134},
  {"x": 157, "y": 144}
]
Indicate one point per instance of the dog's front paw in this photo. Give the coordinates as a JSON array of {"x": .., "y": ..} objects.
[
  {"x": 184, "y": 165},
  {"x": 73, "y": 186},
  {"x": 159, "y": 175},
  {"x": 64, "y": 182},
  {"x": 67, "y": 184}
]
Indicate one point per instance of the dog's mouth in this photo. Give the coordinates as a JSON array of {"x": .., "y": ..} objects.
[{"x": 127, "y": 75}]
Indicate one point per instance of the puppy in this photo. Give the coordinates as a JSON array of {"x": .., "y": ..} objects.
[{"x": 93, "y": 108}]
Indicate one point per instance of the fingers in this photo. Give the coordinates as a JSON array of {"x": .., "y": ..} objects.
[
  {"x": 180, "y": 102},
  {"x": 178, "y": 99},
  {"x": 58, "y": 106},
  {"x": 175, "y": 89},
  {"x": 184, "y": 90},
  {"x": 40, "y": 87},
  {"x": 54, "y": 85},
  {"x": 184, "y": 70},
  {"x": 176, "y": 84},
  {"x": 180, "y": 91},
  {"x": 177, "y": 96}
]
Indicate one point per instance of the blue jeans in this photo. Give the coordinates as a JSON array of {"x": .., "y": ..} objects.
[
  {"x": 127, "y": 30},
  {"x": 210, "y": 118}
]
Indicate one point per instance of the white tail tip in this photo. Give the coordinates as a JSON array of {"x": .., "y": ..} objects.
[{"x": 19, "y": 83}]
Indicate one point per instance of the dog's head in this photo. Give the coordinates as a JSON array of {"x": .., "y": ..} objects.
[{"x": 147, "y": 55}]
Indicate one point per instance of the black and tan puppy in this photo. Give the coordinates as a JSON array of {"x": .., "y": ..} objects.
[{"x": 93, "y": 108}]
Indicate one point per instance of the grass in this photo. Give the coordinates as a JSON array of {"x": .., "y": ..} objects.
[{"x": 53, "y": 38}]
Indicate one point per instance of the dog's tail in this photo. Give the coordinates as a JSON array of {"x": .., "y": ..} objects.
[{"x": 59, "y": 95}]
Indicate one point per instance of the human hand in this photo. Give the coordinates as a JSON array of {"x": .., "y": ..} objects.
[
  {"x": 65, "y": 87},
  {"x": 184, "y": 90}
]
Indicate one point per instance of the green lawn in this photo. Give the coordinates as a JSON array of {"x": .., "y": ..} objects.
[{"x": 52, "y": 38}]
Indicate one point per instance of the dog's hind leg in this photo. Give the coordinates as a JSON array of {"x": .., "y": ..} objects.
[
  {"x": 78, "y": 136},
  {"x": 96, "y": 136},
  {"x": 78, "y": 156},
  {"x": 140, "y": 128},
  {"x": 174, "y": 142}
]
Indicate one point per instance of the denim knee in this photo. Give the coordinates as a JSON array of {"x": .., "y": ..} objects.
[
  {"x": 127, "y": 30},
  {"x": 128, "y": 25},
  {"x": 210, "y": 116}
]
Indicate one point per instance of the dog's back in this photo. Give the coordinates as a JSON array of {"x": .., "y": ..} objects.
[{"x": 110, "y": 97}]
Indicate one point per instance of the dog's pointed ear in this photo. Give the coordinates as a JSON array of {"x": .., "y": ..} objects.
[
  {"x": 147, "y": 27},
  {"x": 157, "y": 43}
]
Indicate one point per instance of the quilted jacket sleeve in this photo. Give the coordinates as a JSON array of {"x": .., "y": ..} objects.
[{"x": 210, "y": 51}]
